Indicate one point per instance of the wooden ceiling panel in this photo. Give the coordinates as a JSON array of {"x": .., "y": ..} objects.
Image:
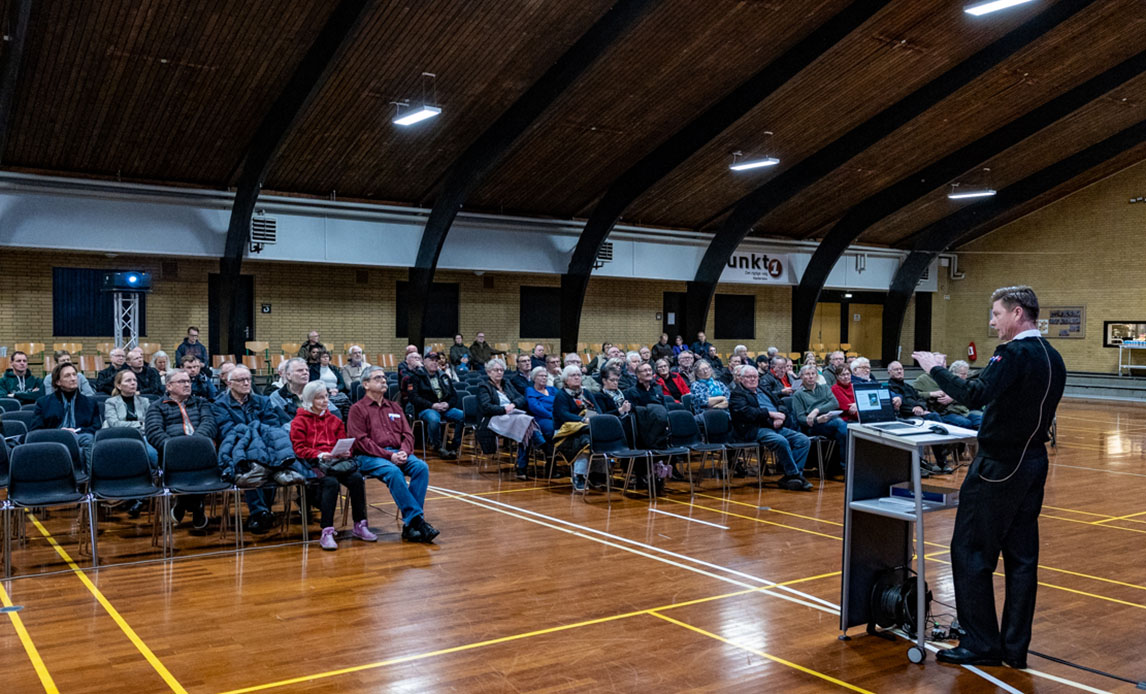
[
  {"x": 668, "y": 69},
  {"x": 1097, "y": 39},
  {"x": 485, "y": 54},
  {"x": 167, "y": 92},
  {"x": 896, "y": 52}
]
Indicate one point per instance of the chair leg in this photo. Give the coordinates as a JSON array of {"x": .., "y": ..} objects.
[
  {"x": 302, "y": 503},
  {"x": 238, "y": 519},
  {"x": 7, "y": 511},
  {"x": 93, "y": 528}
]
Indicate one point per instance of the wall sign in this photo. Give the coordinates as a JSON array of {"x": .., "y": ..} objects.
[
  {"x": 1067, "y": 322},
  {"x": 265, "y": 308},
  {"x": 757, "y": 268}
]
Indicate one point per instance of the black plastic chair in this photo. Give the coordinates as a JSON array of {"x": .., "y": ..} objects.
[
  {"x": 4, "y": 455},
  {"x": 470, "y": 421},
  {"x": 119, "y": 433},
  {"x": 607, "y": 439},
  {"x": 28, "y": 407},
  {"x": 818, "y": 441},
  {"x": 357, "y": 391},
  {"x": 100, "y": 400},
  {"x": 9, "y": 405},
  {"x": 14, "y": 431},
  {"x": 686, "y": 401},
  {"x": 718, "y": 429},
  {"x": 41, "y": 475},
  {"x": 121, "y": 471},
  {"x": 25, "y": 416},
  {"x": 68, "y": 439},
  {"x": 190, "y": 467},
  {"x": 683, "y": 433}
]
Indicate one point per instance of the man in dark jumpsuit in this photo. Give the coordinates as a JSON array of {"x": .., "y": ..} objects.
[{"x": 1002, "y": 495}]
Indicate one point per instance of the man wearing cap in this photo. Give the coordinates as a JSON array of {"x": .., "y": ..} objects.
[{"x": 434, "y": 399}]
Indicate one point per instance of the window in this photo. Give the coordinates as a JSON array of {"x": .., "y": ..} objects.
[
  {"x": 80, "y": 307},
  {"x": 540, "y": 312},
  {"x": 441, "y": 310},
  {"x": 735, "y": 317}
]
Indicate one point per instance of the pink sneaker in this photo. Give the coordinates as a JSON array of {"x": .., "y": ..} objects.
[
  {"x": 328, "y": 541},
  {"x": 362, "y": 532}
]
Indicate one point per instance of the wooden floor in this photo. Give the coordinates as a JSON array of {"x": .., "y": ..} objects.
[{"x": 528, "y": 589}]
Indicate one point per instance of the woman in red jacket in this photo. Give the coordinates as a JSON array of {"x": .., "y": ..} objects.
[
  {"x": 674, "y": 385},
  {"x": 845, "y": 395},
  {"x": 314, "y": 433}
]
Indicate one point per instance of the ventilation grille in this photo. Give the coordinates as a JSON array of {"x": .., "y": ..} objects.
[
  {"x": 605, "y": 255},
  {"x": 264, "y": 230},
  {"x": 925, "y": 276}
]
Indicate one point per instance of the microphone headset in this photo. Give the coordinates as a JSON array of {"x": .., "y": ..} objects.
[{"x": 1038, "y": 426}]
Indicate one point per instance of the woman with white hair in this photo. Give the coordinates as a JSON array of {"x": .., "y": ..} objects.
[
  {"x": 161, "y": 363},
  {"x": 572, "y": 408},
  {"x": 539, "y": 399},
  {"x": 707, "y": 391},
  {"x": 502, "y": 409},
  {"x": 314, "y": 434}
]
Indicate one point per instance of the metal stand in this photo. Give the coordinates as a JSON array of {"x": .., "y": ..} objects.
[{"x": 126, "y": 306}]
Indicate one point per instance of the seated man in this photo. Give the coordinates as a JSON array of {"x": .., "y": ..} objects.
[
  {"x": 105, "y": 379},
  {"x": 912, "y": 404},
  {"x": 662, "y": 349},
  {"x": 861, "y": 370},
  {"x": 18, "y": 381},
  {"x": 238, "y": 411},
  {"x": 201, "y": 385},
  {"x": 811, "y": 404},
  {"x": 629, "y": 370},
  {"x": 192, "y": 345},
  {"x": 181, "y": 414},
  {"x": 434, "y": 399},
  {"x": 538, "y": 358},
  {"x": 410, "y": 362},
  {"x": 520, "y": 377},
  {"x": 312, "y": 341},
  {"x": 776, "y": 380},
  {"x": 384, "y": 445},
  {"x": 836, "y": 364},
  {"x": 280, "y": 378},
  {"x": 355, "y": 364},
  {"x": 701, "y": 346},
  {"x": 728, "y": 375},
  {"x": 943, "y": 404},
  {"x": 553, "y": 370},
  {"x": 289, "y": 398},
  {"x": 599, "y": 361},
  {"x": 69, "y": 410},
  {"x": 145, "y": 376},
  {"x": 458, "y": 350},
  {"x": 222, "y": 373},
  {"x": 63, "y": 357},
  {"x": 713, "y": 358},
  {"x": 757, "y": 417},
  {"x": 646, "y": 354}
]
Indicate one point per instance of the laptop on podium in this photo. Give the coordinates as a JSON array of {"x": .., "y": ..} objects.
[{"x": 873, "y": 409}]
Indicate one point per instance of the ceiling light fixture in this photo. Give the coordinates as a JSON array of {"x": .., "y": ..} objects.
[
  {"x": 749, "y": 164},
  {"x": 982, "y": 8},
  {"x": 425, "y": 111},
  {"x": 980, "y": 193},
  {"x": 977, "y": 186}
]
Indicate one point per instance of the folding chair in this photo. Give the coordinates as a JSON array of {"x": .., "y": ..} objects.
[
  {"x": 121, "y": 471},
  {"x": 718, "y": 429},
  {"x": 683, "y": 433},
  {"x": 69, "y": 441},
  {"x": 189, "y": 467},
  {"x": 9, "y": 405},
  {"x": 607, "y": 440}
]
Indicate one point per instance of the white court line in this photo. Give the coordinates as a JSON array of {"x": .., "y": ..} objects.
[
  {"x": 993, "y": 680},
  {"x": 580, "y": 530},
  {"x": 1098, "y": 469},
  {"x": 694, "y": 520}
]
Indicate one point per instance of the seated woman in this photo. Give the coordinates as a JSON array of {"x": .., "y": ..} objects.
[
  {"x": 313, "y": 434},
  {"x": 611, "y": 399},
  {"x": 674, "y": 385},
  {"x": 708, "y": 392},
  {"x": 539, "y": 400},
  {"x": 572, "y": 408},
  {"x": 678, "y": 346},
  {"x": 125, "y": 409},
  {"x": 845, "y": 395},
  {"x": 336, "y": 388},
  {"x": 497, "y": 398},
  {"x": 162, "y": 363}
]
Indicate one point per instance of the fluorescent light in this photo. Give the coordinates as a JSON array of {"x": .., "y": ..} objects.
[
  {"x": 982, "y": 8},
  {"x": 982, "y": 193},
  {"x": 417, "y": 115},
  {"x": 848, "y": 295},
  {"x": 754, "y": 164}
]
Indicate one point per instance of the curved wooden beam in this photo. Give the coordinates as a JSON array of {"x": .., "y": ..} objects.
[{"x": 19, "y": 13}]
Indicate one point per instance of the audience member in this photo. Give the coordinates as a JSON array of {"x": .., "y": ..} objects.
[
  {"x": 105, "y": 379},
  {"x": 66, "y": 408},
  {"x": 589, "y": 384},
  {"x": 63, "y": 357},
  {"x": 520, "y": 377},
  {"x": 312, "y": 341},
  {"x": 914, "y": 404},
  {"x": 434, "y": 399},
  {"x": 673, "y": 384},
  {"x": 679, "y": 346},
  {"x": 701, "y": 346},
  {"x": 280, "y": 378},
  {"x": 410, "y": 364},
  {"x": 538, "y": 357},
  {"x": 125, "y": 408},
  {"x": 836, "y": 364},
  {"x": 385, "y": 447},
  {"x": 288, "y": 399},
  {"x": 145, "y": 376},
  {"x": 727, "y": 376},
  {"x": 629, "y": 370},
  {"x": 161, "y": 363},
  {"x": 713, "y": 358},
  {"x": 181, "y": 414},
  {"x": 943, "y": 404},
  {"x": 313, "y": 437},
  {"x": 662, "y": 349},
  {"x": 481, "y": 352},
  {"x": 845, "y": 395},
  {"x": 812, "y": 404},
  {"x": 756, "y": 417},
  {"x": 742, "y": 352},
  {"x": 355, "y": 364},
  {"x": 649, "y": 421},
  {"x": 222, "y": 373},
  {"x": 707, "y": 392},
  {"x": 684, "y": 366},
  {"x": 539, "y": 400},
  {"x": 497, "y": 397},
  {"x": 458, "y": 350},
  {"x": 599, "y": 360},
  {"x": 646, "y": 354},
  {"x": 963, "y": 370},
  {"x": 18, "y": 381},
  {"x": 572, "y": 408},
  {"x": 612, "y": 397},
  {"x": 190, "y": 345},
  {"x": 200, "y": 384},
  {"x": 337, "y": 391},
  {"x": 250, "y": 430},
  {"x": 861, "y": 370},
  {"x": 776, "y": 380},
  {"x": 553, "y": 370}
]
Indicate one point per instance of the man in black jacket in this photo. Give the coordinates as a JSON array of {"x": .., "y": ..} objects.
[
  {"x": 773, "y": 381},
  {"x": 434, "y": 399},
  {"x": 662, "y": 349},
  {"x": 520, "y": 377},
  {"x": 68, "y": 409},
  {"x": 105, "y": 379},
  {"x": 181, "y": 414},
  {"x": 756, "y": 417},
  {"x": 146, "y": 377},
  {"x": 1002, "y": 495}
]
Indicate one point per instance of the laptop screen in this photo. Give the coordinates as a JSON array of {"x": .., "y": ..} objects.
[{"x": 873, "y": 403}]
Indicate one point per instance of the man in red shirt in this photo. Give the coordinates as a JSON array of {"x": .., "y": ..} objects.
[{"x": 385, "y": 449}]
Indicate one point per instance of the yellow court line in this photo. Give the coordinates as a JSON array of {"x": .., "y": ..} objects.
[
  {"x": 29, "y": 647},
  {"x": 1069, "y": 590},
  {"x": 111, "y": 611},
  {"x": 515, "y": 637},
  {"x": 758, "y": 520},
  {"x": 1071, "y": 510},
  {"x": 1128, "y": 517},
  {"x": 771, "y": 510},
  {"x": 762, "y": 654},
  {"x": 1093, "y": 524},
  {"x": 1092, "y": 577}
]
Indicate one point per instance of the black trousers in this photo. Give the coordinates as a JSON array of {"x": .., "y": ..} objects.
[
  {"x": 328, "y": 496},
  {"x": 998, "y": 518}
]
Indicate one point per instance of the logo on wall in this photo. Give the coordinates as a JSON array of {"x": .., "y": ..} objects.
[{"x": 756, "y": 268}]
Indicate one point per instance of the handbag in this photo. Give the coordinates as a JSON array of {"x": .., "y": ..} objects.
[
  {"x": 338, "y": 467},
  {"x": 253, "y": 475}
]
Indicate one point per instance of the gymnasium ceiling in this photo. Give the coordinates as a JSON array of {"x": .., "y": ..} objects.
[{"x": 173, "y": 92}]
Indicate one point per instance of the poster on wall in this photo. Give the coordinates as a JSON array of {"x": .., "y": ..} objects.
[
  {"x": 1115, "y": 332},
  {"x": 1067, "y": 322}
]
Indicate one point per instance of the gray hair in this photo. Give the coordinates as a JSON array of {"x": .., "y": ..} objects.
[
  {"x": 744, "y": 369},
  {"x": 172, "y": 373},
  {"x": 352, "y": 348},
  {"x": 310, "y": 392},
  {"x": 572, "y": 358},
  {"x": 839, "y": 352},
  {"x": 778, "y": 361},
  {"x": 740, "y": 348},
  {"x": 494, "y": 362},
  {"x": 701, "y": 363},
  {"x": 369, "y": 371},
  {"x": 238, "y": 368},
  {"x": 773, "y": 351},
  {"x": 160, "y": 354},
  {"x": 809, "y": 367},
  {"x": 290, "y": 363},
  {"x": 860, "y": 361},
  {"x": 570, "y": 370},
  {"x": 630, "y": 355},
  {"x": 537, "y": 370},
  {"x": 959, "y": 365}
]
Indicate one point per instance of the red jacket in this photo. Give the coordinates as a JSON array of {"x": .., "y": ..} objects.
[
  {"x": 846, "y": 398},
  {"x": 311, "y": 434},
  {"x": 679, "y": 381}
]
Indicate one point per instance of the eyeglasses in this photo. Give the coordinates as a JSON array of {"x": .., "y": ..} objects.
[
  {"x": 180, "y": 382},
  {"x": 240, "y": 380}
]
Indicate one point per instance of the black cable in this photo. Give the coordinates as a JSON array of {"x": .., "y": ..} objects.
[{"x": 1138, "y": 684}]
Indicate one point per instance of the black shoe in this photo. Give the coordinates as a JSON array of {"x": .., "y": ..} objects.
[
  {"x": 428, "y": 531},
  {"x": 447, "y": 454},
  {"x": 411, "y": 534},
  {"x": 177, "y": 514},
  {"x": 1015, "y": 663},
  {"x": 135, "y": 508},
  {"x": 199, "y": 519},
  {"x": 260, "y": 523},
  {"x": 421, "y": 529},
  {"x": 962, "y": 656},
  {"x": 796, "y": 484},
  {"x": 521, "y": 475}
]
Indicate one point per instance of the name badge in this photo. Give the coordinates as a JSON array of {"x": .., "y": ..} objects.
[{"x": 392, "y": 415}]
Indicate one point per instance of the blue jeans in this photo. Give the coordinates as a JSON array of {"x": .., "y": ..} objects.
[
  {"x": 837, "y": 430},
  {"x": 523, "y": 449},
  {"x": 791, "y": 448},
  {"x": 957, "y": 420},
  {"x": 259, "y": 500},
  {"x": 433, "y": 420},
  {"x": 410, "y": 499}
]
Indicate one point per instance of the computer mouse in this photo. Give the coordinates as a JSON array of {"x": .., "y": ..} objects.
[{"x": 938, "y": 429}]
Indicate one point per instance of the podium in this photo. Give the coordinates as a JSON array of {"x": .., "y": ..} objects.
[{"x": 878, "y": 527}]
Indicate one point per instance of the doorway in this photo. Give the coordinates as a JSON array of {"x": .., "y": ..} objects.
[
  {"x": 245, "y": 318},
  {"x": 672, "y": 316}
]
